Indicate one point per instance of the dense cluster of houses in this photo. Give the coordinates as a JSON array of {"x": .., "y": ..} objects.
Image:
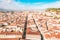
[{"x": 46, "y": 23}]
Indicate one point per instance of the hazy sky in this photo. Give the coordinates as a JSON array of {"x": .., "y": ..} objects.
[
  {"x": 29, "y": 4},
  {"x": 35, "y": 1}
]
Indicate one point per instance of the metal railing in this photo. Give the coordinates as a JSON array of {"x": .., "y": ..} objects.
[
  {"x": 38, "y": 29},
  {"x": 25, "y": 27}
]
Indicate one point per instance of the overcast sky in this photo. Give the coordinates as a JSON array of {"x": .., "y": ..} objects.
[{"x": 29, "y": 4}]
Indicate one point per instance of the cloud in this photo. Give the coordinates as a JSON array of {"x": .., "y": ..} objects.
[
  {"x": 52, "y": 5},
  {"x": 11, "y": 4},
  {"x": 48, "y": 5}
]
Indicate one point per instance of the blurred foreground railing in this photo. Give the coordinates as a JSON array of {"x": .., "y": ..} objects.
[{"x": 38, "y": 29}]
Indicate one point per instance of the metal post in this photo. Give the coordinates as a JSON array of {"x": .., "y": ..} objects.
[
  {"x": 46, "y": 25},
  {"x": 25, "y": 27},
  {"x": 38, "y": 29}
]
